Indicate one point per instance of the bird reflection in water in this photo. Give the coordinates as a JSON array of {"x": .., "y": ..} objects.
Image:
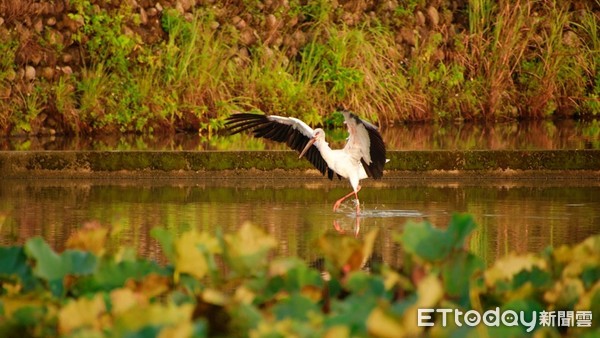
[
  {"x": 351, "y": 223},
  {"x": 341, "y": 229}
]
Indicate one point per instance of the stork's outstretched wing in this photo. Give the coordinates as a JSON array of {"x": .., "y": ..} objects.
[
  {"x": 366, "y": 144},
  {"x": 291, "y": 131}
]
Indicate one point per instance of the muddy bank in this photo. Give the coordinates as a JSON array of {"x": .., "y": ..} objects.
[{"x": 557, "y": 164}]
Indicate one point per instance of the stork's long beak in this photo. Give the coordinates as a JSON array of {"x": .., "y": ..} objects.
[{"x": 308, "y": 145}]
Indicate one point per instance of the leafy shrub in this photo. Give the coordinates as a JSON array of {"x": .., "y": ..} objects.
[{"x": 233, "y": 285}]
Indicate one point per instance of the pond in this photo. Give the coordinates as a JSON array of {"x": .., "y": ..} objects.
[
  {"x": 564, "y": 134},
  {"x": 512, "y": 215}
]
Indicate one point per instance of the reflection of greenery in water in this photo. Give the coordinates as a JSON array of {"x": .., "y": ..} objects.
[
  {"x": 517, "y": 216},
  {"x": 567, "y": 134}
]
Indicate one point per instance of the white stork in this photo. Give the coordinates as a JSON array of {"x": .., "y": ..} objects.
[{"x": 363, "y": 156}]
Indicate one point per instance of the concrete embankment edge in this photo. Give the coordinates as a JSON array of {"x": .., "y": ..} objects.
[{"x": 568, "y": 164}]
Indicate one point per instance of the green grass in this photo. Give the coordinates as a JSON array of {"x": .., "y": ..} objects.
[{"x": 590, "y": 59}]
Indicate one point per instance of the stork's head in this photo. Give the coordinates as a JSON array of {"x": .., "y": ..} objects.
[{"x": 318, "y": 136}]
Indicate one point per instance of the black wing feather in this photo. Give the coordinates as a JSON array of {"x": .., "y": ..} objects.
[
  {"x": 378, "y": 153},
  {"x": 263, "y": 127}
]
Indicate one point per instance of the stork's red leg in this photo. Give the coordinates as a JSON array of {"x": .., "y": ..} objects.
[
  {"x": 355, "y": 193},
  {"x": 339, "y": 202},
  {"x": 337, "y": 227}
]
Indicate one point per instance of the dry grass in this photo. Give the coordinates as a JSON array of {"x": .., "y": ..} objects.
[{"x": 19, "y": 10}]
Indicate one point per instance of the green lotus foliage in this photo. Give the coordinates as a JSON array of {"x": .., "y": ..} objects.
[{"x": 234, "y": 284}]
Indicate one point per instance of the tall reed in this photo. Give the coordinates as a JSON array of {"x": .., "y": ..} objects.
[
  {"x": 589, "y": 32},
  {"x": 499, "y": 36}
]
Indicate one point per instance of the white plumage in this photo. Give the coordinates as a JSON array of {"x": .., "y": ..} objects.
[{"x": 363, "y": 156}]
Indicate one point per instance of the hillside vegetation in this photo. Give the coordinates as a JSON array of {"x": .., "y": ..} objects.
[{"x": 90, "y": 66}]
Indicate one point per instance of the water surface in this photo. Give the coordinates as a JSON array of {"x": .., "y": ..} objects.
[
  {"x": 519, "y": 215},
  {"x": 564, "y": 134}
]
